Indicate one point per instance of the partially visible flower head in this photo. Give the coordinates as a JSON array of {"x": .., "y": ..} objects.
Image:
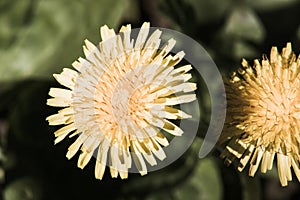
[
  {"x": 263, "y": 115},
  {"x": 119, "y": 100}
]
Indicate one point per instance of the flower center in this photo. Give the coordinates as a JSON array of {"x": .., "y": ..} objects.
[{"x": 119, "y": 99}]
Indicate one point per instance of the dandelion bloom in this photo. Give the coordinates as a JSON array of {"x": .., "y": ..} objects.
[
  {"x": 119, "y": 100},
  {"x": 263, "y": 115}
]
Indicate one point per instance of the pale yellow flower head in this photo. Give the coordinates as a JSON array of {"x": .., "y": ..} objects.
[
  {"x": 263, "y": 115},
  {"x": 118, "y": 100}
]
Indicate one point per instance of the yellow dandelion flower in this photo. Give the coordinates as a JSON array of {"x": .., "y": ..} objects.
[
  {"x": 263, "y": 115},
  {"x": 119, "y": 100}
]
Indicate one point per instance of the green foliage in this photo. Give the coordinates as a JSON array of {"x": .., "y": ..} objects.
[
  {"x": 204, "y": 182},
  {"x": 191, "y": 179},
  {"x": 208, "y": 11},
  {"x": 39, "y": 38},
  {"x": 268, "y": 5},
  {"x": 23, "y": 189},
  {"x": 243, "y": 23}
]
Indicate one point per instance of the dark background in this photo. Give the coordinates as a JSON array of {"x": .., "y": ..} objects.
[{"x": 40, "y": 37}]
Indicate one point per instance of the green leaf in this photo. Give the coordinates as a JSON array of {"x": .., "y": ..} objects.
[
  {"x": 53, "y": 39},
  {"x": 271, "y": 4},
  {"x": 195, "y": 179},
  {"x": 13, "y": 16},
  {"x": 209, "y": 11},
  {"x": 242, "y": 49},
  {"x": 203, "y": 183},
  {"x": 159, "y": 196},
  {"x": 243, "y": 23},
  {"x": 172, "y": 175},
  {"x": 23, "y": 189}
]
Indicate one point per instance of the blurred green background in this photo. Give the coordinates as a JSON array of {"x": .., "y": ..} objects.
[{"x": 40, "y": 37}]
